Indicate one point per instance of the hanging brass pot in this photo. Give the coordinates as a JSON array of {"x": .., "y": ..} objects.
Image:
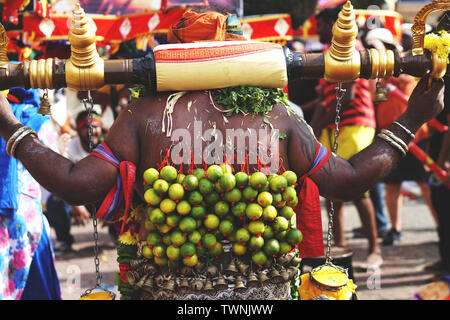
[
  {"x": 45, "y": 106},
  {"x": 184, "y": 285},
  {"x": 263, "y": 278},
  {"x": 252, "y": 280},
  {"x": 212, "y": 270},
  {"x": 170, "y": 285},
  {"x": 275, "y": 276},
  {"x": 136, "y": 263},
  {"x": 159, "y": 280},
  {"x": 295, "y": 261},
  {"x": 149, "y": 268},
  {"x": 239, "y": 285},
  {"x": 132, "y": 277},
  {"x": 230, "y": 270},
  {"x": 199, "y": 267},
  {"x": 293, "y": 272},
  {"x": 148, "y": 284},
  {"x": 141, "y": 281},
  {"x": 284, "y": 274},
  {"x": 197, "y": 285},
  {"x": 243, "y": 268},
  {"x": 380, "y": 93},
  {"x": 221, "y": 283},
  {"x": 208, "y": 287}
]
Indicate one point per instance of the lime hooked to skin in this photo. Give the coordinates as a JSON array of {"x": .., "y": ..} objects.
[
  {"x": 176, "y": 191},
  {"x": 150, "y": 175},
  {"x": 161, "y": 186},
  {"x": 214, "y": 172},
  {"x": 169, "y": 173},
  {"x": 258, "y": 180},
  {"x": 190, "y": 182}
]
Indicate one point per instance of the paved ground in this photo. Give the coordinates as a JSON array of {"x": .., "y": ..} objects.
[{"x": 398, "y": 279}]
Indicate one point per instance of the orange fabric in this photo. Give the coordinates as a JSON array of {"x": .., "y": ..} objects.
[{"x": 198, "y": 27}]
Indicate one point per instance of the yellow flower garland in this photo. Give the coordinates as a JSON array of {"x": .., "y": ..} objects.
[
  {"x": 127, "y": 238},
  {"x": 438, "y": 44}
]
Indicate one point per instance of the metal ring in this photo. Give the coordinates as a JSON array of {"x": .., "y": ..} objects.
[
  {"x": 374, "y": 56},
  {"x": 390, "y": 63},
  {"x": 49, "y": 73},
  {"x": 32, "y": 72},
  {"x": 382, "y": 63},
  {"x": 40, "y": 73}
]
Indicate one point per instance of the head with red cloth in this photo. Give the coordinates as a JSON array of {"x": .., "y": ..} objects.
[
  {"x": 82, "y": 127},
  {"x": 206, "y": 26}
]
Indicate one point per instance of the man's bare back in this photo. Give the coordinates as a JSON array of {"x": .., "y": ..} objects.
[{"x": 207, "y": 130}]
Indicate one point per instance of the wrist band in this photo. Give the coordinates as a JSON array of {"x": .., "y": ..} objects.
[
  {"x": 396, "y": 139},
  {"x": 394, "y": 144},
  {"x": 405, "y": 129},
  {"x": 15, "y": 139}
]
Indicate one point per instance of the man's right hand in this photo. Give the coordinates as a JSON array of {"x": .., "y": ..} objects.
[{"x": 425, "y": 103}]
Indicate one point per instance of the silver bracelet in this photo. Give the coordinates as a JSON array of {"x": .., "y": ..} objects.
[
  {"x": 405, "y": 129},
  {"x": 13, "y": 138},
  {"x": 16, "y": 142},
  {"x": 394, "y": 144},
  {"x": 396, "y": 139}
]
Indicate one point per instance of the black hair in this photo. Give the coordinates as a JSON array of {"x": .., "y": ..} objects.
[
  {"x": 210, "y": 8},
  {"x": 84, "y": 114},
  {"x": 407, "y": 42},
  {"x": 444, "y": 21},
  {"x": 329, "y": 14}
]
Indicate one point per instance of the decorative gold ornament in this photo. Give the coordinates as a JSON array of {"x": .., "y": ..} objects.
[
  {"x": 380, "y": 93},
  {"x": 342, "y": 60},
  {"x": 85, "y": 68},
  {"x": 208, "y": 288},
  {"x": 221, "y": 283},
  {"x": 3, "y": 47},
  {"x": 41, "y": 73},
  {"x": 45, "y": 106},
  {"x": 418, "y": 28},
  {"x": 239, "y": 285},
  {"x": 252, "y": 280}
]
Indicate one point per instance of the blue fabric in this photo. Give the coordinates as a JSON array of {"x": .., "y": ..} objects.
[
  {"x": 42, "y": 282},
  {"x": 26, "y": 113}
]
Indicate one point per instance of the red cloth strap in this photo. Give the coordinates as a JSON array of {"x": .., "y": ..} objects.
[
  {"x": 309, "y": 220},
  {"x": 308, "y": 211}
]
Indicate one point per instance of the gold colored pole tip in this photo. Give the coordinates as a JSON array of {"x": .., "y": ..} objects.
[{"x": 4, "y": 40}]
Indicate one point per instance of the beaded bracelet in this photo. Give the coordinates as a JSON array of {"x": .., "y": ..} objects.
[
  {"x": 405, "y": 129},
  {"x": 396, "y": 139},
  {"x": 392, "y": 142},
  {"x": 16, "y": 138}
]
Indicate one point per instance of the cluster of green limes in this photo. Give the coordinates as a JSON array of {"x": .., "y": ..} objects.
[{"x": 189, "y": 215}]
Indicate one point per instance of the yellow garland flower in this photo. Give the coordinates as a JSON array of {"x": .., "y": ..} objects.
[
  {"x": 127, "y": 238},
  {"x": 438, "y": 44}
]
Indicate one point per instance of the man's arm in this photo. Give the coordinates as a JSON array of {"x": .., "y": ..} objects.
[
  {"x": 345, "y": 180},
  {"x": 85, "y": 182}
]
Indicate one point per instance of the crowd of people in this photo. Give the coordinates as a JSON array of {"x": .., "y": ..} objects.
[{"x": 28, "y": 211}]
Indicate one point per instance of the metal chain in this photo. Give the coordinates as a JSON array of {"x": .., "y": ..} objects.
[
  {"x": 89, "y": 106},
  {"x": 340, "y": 93}
]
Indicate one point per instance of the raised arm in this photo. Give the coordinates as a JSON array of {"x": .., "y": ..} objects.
[
  {"x": 345, "y": 180},
  {"x": 84, "y": 182}
]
